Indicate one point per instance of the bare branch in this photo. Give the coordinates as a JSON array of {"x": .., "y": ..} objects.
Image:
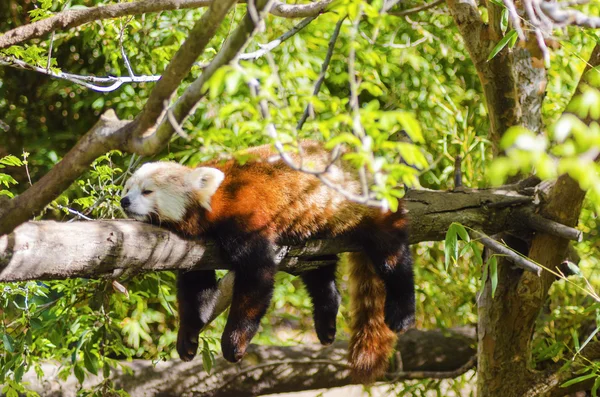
[
  {"x": 562, "y": 17},
  {"x": 84, "y": 81},
  {"x": 512, "y": 256},
  {"x": 274, "y": 43},
  {"x": 539, "y": 223},
  {"x": 273, "y": 369},
  {"x": 324, "y": 67},
  {"x": 300, "y": 10}
]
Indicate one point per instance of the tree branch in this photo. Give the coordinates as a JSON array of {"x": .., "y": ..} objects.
[
  {"x": 73, "y": 18},
  {"x": 86, "y": 81},
  {"x": 33, "y": 250},
  {"x": 272, "y": 369},
  {"x": 512, "y": 256}
]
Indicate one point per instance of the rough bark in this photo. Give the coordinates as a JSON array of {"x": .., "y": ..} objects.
[
  {"x": 51, "y": 250},
  {"x": 514, "y": 83},
  {"x": 270, "y": 369},
  {"x": 506, "y": 322}
]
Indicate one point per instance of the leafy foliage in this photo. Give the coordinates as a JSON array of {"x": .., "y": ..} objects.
[{"x": 414, "y": 78}]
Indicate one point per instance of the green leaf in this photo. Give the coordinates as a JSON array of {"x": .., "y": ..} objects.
[
  {"x": 207, "y": 358},
  {"x": 461, "y": 231},
  {"x": 106, "y": 370},
  {"x": 575, "y": 337},
  {"x": 493, "y": 269},
  {"x": 11, "y": 392},
  {"x": 595, "y": 387},
  {"x": 19, "y": 372},
  {"x": 574, "y": 268},
  {"x": 79, "y": 344},
  {"x": 11, "y": 160},
  {"x": 589, "y": 338},
  {"x": 512, "y": 35},
  {"x": 477, "y": 255},
  {"x": 90, "y": 361},
  {"x": 79, "y": 374},
  {"x": 450, "y": 246},
  {"x": 578, "y": 379},
  {"x": 8, "y": 343}
]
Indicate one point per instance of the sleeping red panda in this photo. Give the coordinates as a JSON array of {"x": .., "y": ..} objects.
[{"x": 248, "y": 209}]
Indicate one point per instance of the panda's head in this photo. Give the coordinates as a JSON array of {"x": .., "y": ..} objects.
[{"x": 166, "y": 190}]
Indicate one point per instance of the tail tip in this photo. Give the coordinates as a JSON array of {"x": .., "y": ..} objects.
[{"x": 367, "y": 367}]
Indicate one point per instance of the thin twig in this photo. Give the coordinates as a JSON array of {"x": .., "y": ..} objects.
[
  {"x": 123, "y": 53},
  {"x": 174, "y": 123},
  {"x": 414, "y": 10},
  {"x": 72, "y": 211},
  {"x": 272, "y": 44},
  {"x": 324, "y": 67},
  {"x": 80, "y": 80},
  {"x": 511, "y": 255},
  {"x": 49, "y": 63}
]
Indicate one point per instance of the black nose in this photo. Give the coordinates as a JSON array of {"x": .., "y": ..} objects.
[{"x": 125, "y": 202}]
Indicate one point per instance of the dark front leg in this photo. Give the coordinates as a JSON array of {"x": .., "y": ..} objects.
[
  {"x": 254, "y": 266},
  {"x": 196, "y": 296},
  {"x": 322, "y": 288}
]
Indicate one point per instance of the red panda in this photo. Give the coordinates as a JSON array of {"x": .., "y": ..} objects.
[{"x": 248, "y": 209}]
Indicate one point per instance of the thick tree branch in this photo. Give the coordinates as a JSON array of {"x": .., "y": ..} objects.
[
  {"x": 271, "y": 369},
  {"x": 73, "y": 18},
  {"x": 34, "y": 251}
]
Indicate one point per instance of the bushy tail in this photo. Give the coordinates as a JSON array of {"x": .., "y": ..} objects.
[{"x": 371, "y": 342}]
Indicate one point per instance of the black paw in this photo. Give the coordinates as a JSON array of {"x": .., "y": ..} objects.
[
  {"x": 187, "y": 343},
  {"x": 231, "y": 346},
  {"x": 325, "y": 328},
  {"x": 399, "y": 317}
]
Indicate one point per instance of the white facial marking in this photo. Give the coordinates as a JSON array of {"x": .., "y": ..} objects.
[{"x": 165, "y": 189}]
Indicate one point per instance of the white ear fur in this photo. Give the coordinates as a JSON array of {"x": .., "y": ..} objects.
[{"x": 205, "y": 181}]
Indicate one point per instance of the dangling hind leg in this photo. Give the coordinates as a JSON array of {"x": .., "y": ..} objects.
[{"x": 322, "y": 288}]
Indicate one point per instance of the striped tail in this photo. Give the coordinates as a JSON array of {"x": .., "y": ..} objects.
[{"x": 372, "y": 342}]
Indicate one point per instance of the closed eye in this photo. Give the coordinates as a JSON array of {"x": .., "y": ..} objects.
[{"x": 147, "y": 192}]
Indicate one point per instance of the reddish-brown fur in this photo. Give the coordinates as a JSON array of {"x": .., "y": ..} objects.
[{"x": 268, "y": 201}]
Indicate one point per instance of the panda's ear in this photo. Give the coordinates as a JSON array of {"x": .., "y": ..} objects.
[{"x": 205, "y": 181}]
